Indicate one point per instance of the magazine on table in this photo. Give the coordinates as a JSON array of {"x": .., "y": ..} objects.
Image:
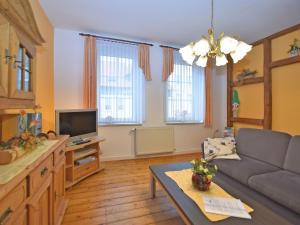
[{"x": 225, "y": 206}]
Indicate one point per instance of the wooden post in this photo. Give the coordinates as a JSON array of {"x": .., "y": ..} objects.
[
  {"x": 229, "y": 91},
  {"x": 267, "y": 85}
]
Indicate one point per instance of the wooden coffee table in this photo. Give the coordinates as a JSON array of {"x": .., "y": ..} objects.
[{"x": 192, "y": 215}]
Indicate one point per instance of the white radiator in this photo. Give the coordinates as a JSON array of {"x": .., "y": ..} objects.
[{"x": 153, "y": 140}]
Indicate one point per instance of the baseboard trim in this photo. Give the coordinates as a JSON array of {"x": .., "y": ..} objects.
[{"x": 116, "y": 158}]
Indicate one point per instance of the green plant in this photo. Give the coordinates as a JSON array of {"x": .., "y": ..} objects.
[{"x": 204, "y": 167}]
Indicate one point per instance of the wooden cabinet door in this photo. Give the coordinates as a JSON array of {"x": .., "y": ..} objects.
[
  {"x": 41, "y": 205},
  {"x": 59, "y": 190},
  {"x": 4, "y": 54},
  {"x": 21, "y": 218}
]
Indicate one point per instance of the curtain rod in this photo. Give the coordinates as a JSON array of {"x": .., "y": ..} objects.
[
  {"x": 115, "y": 39},
  {"x": 165, "y": 46}
]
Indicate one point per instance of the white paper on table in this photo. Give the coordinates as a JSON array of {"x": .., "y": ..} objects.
[{"x": 225, "y": 206}]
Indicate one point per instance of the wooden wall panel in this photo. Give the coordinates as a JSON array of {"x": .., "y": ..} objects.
[
  {"x": 252, "y": 101},
  {"x": 286, "y": 98},
  {"x": 280, "y": 45},
  {"x": 276, "y": 100},
  {"x": 254, "y": 60},
  {"x": 237, "y": 126}
]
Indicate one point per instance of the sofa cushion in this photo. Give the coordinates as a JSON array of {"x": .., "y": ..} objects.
[
  {"x": 242, "y": 169},
  {"x": 264, "y": 145},
  {"x": 281, "y": 186},
  {"x": 292, "y": 158}
]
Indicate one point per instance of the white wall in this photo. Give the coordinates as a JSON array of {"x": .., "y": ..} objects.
[
  {"x": 68, "y": 69},
  {"x": 118, "y": 145},
  {"x": 220, "y": 99}
]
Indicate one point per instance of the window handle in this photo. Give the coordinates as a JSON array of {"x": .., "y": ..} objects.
[{"x": 9, "y": 57}]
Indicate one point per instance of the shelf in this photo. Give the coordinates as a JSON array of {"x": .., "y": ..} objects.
[
  {"x": 92, "y": 141},
  {"x": 248, "y": 81},
  {"x": 70, "y": 184},
  {"x": 84, "y": 153},
  {"x": 284, "y": 62},
  {"x": 76, "y": 173},
  {"x": 259, "y": 122}
]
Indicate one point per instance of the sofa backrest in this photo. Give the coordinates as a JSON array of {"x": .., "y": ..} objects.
[
  {"x": 264, "y": 145},
  {"x": 292, "y": 159}
]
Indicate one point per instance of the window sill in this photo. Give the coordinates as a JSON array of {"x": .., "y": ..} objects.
[
  {"x": 184, "y": 123},
  {"x": 118, "y": 124}
]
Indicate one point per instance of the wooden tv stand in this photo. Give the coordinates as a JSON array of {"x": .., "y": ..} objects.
[{"x": 76, "y": 173}]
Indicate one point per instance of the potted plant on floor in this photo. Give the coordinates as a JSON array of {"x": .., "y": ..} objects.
[{"x": 203, "y": 173}]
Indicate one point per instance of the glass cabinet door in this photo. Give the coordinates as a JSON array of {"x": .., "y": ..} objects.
[
  {"x": 24, "y": 72},
  {"x": 21, "y": 70}
]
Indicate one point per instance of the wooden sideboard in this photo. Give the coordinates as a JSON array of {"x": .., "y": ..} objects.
[{"x": 35, "y": 195}]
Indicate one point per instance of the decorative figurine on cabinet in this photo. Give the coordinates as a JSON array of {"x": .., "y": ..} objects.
[{"x": 235, "y": 103}]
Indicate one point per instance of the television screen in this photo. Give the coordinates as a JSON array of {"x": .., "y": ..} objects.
[{"x": 77, "y": 123}]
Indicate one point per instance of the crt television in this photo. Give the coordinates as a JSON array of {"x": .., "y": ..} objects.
[{"x": 78, "y": 123}]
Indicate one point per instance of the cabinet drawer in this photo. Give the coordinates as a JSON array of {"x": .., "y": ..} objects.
[
  {"x": 83, "y": 170},
  {"x": 40, "y": 174},
  {"x": 11, "y": 202},
  {"x": 59, "y": 154}
]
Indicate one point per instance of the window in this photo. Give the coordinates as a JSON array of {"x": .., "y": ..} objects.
[
  {"x": 184, "y": 98},
  {"x": 24, "y": 69},
  {"x": 120, "y": 88}
]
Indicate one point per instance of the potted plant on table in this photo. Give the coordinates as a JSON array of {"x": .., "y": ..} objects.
[
  {"x": 203, "y": 173},
  {"x": 294, "y": 48}
]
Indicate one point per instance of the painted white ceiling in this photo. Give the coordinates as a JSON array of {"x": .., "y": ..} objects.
[{"x": 173, "y": 21}]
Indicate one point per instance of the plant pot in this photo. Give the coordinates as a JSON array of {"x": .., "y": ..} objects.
[
  {"x": 294, "y": 53},
  {"x": 201, "y": 182}
]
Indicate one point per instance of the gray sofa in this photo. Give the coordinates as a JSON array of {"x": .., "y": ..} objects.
[{"x": 270, "y": 165}]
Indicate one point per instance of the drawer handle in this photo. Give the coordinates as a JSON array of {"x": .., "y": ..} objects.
[
  {"x": 4, "y": 217},
  {"x": 44, "y": 171}
]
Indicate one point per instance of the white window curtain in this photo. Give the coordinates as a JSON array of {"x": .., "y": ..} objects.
[
  {"x": 120, "y": 88},
  {"x": 185, "y": 93}
]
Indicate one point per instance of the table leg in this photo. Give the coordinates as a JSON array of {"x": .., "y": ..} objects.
[{"x": 152, "y": 186}]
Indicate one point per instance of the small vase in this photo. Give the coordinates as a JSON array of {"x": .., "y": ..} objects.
[
  {"x": 294, "y": 53},
  {"x": 201, "y": 182}
]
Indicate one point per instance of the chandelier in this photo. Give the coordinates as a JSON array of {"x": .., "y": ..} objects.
[{"x": 208, "y": 47}]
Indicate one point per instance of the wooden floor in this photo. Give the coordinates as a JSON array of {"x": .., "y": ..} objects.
[{"x": 120, "y": 195}]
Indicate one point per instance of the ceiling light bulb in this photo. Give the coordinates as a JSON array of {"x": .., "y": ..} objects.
[
  {"x": 237, "y": 56},
  {"x": 241, "y": 51},
  {"x": 202, "y": 61},
  {"x": 221, "y": 60},
  {"x": 187, "y": 54},
  {"x": 228, "y": 44},
  {"x": 242, "y": 46},
  {"x": 187, "y": 50},
  {"x": 201, "y": 48},
  {"x": 189, "y": 59}
]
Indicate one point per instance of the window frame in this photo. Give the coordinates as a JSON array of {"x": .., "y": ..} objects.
[
  {"x": 21, "y": 66},
  {"x": 132, "y": 97},
  {"x": 180, "y": 121}
]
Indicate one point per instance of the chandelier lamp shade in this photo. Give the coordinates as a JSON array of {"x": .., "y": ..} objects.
[{"x": 209, "y": 47}]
